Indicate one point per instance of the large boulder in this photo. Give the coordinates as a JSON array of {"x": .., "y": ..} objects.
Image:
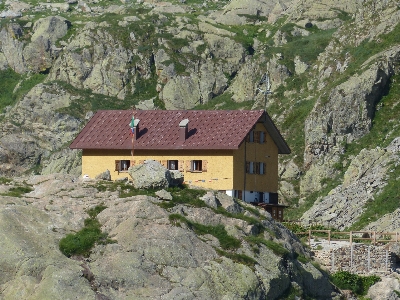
[
  {"x": 41, "y": 52},
  {"x": 230, "y": 204},
  {"x": 106, "y": 175},
  {"x": 150, "y": 175}
]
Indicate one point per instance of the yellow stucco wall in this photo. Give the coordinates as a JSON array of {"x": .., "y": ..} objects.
[
  {"x": 256, "y": 152},
  {"x": 219, "y": 174}
]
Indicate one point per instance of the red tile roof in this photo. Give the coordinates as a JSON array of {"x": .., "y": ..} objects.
[{"x": 159, "y": 129}]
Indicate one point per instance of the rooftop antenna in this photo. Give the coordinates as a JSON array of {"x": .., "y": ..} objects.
[{"x": 267, "y": 91}]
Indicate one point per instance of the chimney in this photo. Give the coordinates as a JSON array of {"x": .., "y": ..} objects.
[
  {"x": 183, "y": 130},
  {"x": 136, "y": 125}
]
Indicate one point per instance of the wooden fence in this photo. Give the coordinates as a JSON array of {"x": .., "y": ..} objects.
[{"x": 373, "y": 237}]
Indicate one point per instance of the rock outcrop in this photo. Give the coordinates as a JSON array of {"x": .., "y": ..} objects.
[
  {"x": 363, "y": 180},
  {"x": 152, "y": 255},
  {"x": 34, "y": 130}
]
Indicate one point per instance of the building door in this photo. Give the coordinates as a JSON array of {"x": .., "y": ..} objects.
[{"x": 240, "y": 195}]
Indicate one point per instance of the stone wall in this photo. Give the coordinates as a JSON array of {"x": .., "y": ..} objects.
[{"x": 358, "y": 259}]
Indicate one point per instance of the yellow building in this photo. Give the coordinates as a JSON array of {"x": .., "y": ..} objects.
[{"x": 231, "y": 151}]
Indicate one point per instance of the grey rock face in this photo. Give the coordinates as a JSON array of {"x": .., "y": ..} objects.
[
  {"x": 229, "y": 203},
  {"x": 151, "y": 174},
  {"x": 365, "y": 177},
  {"x": 150, "y": 258},
  {"x": 64, "y": 161},
  {"x": 164, "y": 195},
  {"x": 336, "y": 117},
  {"x": 333, "y": 121},
  {"x": 176, "y": 178},
  {"x": 41, "y": 130},
  {"x": 94, "y": 60},
  {"x": 12, "y": 49},
  {"x": 10, "y": 14},
  {"x": 41, "y": 51},
  {"x": 181, "y": 92},
  {"x": 385, "y": 289},
  {"x": 210, "y": 200},
  {"x": 104, "y": 176}
]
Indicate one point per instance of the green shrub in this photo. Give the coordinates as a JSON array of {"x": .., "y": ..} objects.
[
  {"x": 4, "y": 180},
  {"x": 358, "y": 284},
  {"x": 18, "y": 191},
  {"x": 83, "y": 241},
  {"x": 93, "y": 212}
]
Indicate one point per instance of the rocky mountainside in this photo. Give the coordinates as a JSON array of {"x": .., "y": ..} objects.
[
  {"x": 155, "y": 249},
  {"x": 333, "y": 67}
]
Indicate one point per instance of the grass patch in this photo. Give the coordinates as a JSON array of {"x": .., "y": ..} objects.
[
  {"x": 186, "y": 196},
  {"x": 358, "y": 284},
  {"x": 369, "y": 48},
  {"x": 18, "y": 190},
  {"x": 83, "y": 241},
  {"x": 4, "y": 180},
  {"x": 125, "y": 190},
  {"x": 278, "y": 249},
  {"x": 306, "y": 47},
  {"x": 238, "y": 258},
  {"x": 226, "y": 241},
  {"x": 9, "y": 80}
]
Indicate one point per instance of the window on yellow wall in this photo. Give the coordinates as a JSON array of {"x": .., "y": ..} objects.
[
  {"x": 196, "y": 166},
  {"x": 173, "y": 165},
  {"x": 122, "y": 165}
]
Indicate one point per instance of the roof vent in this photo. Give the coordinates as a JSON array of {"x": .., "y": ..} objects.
[{"x": 183, "y": 130}]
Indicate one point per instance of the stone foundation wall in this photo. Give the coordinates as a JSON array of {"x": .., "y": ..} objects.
[{"x": 358, "y": 259}]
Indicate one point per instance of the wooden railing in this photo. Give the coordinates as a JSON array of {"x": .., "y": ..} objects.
[{"x": 353, "y": 236}]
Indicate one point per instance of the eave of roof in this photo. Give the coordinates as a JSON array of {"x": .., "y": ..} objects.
[{"x": 159, "y": 130}]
